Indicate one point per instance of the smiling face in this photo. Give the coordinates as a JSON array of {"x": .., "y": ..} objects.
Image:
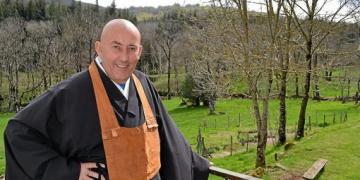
[{"x": 119, "y": 49}]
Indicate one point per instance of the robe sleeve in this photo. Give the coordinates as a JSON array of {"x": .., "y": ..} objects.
[
  {"x": 178, "y": 161},
  {"x": 29, "y": 151}
]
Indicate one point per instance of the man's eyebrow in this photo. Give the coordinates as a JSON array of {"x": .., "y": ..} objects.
[{"x": 116, "y": 42}]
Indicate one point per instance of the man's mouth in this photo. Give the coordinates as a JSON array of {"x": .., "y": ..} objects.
[{"x": 121, "y": 65}]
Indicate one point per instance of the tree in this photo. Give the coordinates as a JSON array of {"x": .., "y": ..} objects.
[
  {"x": 111, "y": 10},
  {"x": 30, "y": 11},
  {"x": 20, "y": 9},
  {"x": 248, "y": 45},
  {"x": 13, "y": 36},
  {"x": 208, "y": 76},
  {"x": 40, "y": 10},
  {"x": 168, "y": 33},
  {"x": 285, "y": 49},
  {"x": 314, "y": 28}
]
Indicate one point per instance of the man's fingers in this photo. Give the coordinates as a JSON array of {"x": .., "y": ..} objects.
[
  {"x": 86, "y": 178},
  {"x": 93, "y": 174},
  {"x": 102, "y": 177},
  {"x": 90, "y": 165},
  {"x": 102, "y": 165}
]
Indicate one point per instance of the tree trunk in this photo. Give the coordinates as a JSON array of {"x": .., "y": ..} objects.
[
  {"x": 282, "y": 109},
  {"x": 301, "y": 121},
  {"x": 212, "y": 101},
  {"x": 348, "y": 88},
  {"x": 90, "y": 51},
  {"x": 262, "y": 125},
  {"x": 176, "y": 80},
  {"x": 1, "y": 96},
  {"x": 357, "y": 96},
  {"x": 168, "y": 72},
  {"x": 283, "y": 85},
  {"x": 316, "y": 79},
  {"x": 296, "y": 58},
  {"x": 44, "y": 79}
]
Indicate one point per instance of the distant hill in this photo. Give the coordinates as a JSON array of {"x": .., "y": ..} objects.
[{"x": 64, "y": 2}]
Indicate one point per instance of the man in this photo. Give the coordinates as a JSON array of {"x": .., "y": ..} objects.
[{"x": 106, "y": 122}]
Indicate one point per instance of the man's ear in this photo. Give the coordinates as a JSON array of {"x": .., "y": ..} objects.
[
  {"x": 98, "y": 48},
  {"x": 140, "y": 51}
]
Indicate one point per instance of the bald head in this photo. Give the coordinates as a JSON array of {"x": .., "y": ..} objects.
[
  {"x": 119, "y": 49},
  {"x": 119, "y": 24}
]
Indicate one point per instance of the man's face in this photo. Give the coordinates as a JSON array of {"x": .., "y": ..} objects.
[{"x": 119, "y": 50}]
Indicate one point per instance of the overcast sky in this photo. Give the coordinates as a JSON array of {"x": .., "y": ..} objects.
[{"x": 154, "y": 3}]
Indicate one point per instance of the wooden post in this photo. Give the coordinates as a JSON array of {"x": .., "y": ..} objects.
[
  {"x": 334, "y": 116},
  {"x": 215, "y": 123},
  {"x": 231, "y": 145},
  {"x": 316, "y": 119},
  {"x": 239, "y": 120},
  {"x": 310, "y": 123},
  {"x": 324, "y": 121},
  {"x": 341, "y": 117},
  {"x": 346, "y": 117},
  {"x": 228, "y": 125},
  {"x": 247, "y": 142}
]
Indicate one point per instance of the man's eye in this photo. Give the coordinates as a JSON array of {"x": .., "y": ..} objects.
[{"x": 132, "y": 48}]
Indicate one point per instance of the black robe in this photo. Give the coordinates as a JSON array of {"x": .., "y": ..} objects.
[{"x": 50, "y": 137}]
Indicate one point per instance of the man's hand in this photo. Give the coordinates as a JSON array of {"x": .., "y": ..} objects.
[{"x": 87, "y": 174}]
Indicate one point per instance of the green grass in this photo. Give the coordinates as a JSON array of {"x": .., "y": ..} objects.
[
  {"x": 4, "y": 117},
  {"x": 338, "y": 144},
  {"x": 188, "y": 119}
]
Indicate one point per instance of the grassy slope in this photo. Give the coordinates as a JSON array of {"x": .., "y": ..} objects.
[{"x": 338, "y": 144}]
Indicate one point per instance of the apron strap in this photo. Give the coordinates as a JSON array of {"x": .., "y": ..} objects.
[
  {"x": 108, "y": 120},
  {"x": 149, "y": 115}
]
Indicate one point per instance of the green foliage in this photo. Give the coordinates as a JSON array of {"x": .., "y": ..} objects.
[
  {"x": 30, "y": 10},
  {"x": 111, "y": 9},
  {"x": 187, "y": 87},
  {"x": 3, "y": 121}
]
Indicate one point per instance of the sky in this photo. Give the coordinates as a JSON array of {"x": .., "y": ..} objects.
[{"x": 154, "y": 3}]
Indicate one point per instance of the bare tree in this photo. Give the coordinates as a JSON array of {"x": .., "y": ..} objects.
[
  {"x": 253, "y": 48},
  {"x": 315, "y": 24},
  {"x": 168, "y": 33},
  {"x": 12, "y": 34}
]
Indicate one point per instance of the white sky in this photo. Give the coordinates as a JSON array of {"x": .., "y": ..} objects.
[{"x": 154, "y": 3}]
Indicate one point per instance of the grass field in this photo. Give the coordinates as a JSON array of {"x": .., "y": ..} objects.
[{"x": 338, "y": 144}]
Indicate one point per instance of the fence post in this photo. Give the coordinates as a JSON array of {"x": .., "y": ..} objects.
[
  {"x": 231, "y": 145},
  {"x": 228, "y": 125},
  {"x": 346, "y": 117},
  {"x": 341, "y": 117},
  {"x": 215, "y": 123},
  {"x": 247, "y": 142}
]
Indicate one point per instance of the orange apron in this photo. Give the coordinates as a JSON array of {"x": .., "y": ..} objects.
[{"x": 131, "y": 153}]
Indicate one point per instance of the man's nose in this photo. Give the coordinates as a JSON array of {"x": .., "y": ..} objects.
[{"x": 124, "y": 56}]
